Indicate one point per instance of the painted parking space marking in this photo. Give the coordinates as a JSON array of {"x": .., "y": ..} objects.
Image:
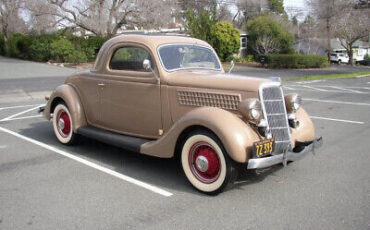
[
  {"x": 315, "y": 88},
  {"x": 22, "y": 118},
  {"x": 339, "y": 120},
  {"x": 17, "y": 106},
  {"x": 3, "y": 146},
  {"x": 12, "y": 117},
  {"x": 345, "y": 89},
  {"x": 326, "y": 89},
  {"x": 336, "y": 102},
  {"x": 309, "y": 82},
  {"x": 108, "y": 171},
  {"x": 286, "y": 87}
]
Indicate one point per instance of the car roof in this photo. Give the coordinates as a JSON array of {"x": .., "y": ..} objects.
[{"x": 155, "y": 40}]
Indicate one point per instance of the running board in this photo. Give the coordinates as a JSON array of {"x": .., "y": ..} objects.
[{"x": 119, "y": 140}]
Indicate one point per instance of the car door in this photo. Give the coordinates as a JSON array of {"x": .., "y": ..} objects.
[{"x": 130, "y": 95}]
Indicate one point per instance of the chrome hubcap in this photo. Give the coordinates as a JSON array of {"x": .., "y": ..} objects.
[
  {"x": 201, "y": 163},
  {"x": 61, "y": 124}
]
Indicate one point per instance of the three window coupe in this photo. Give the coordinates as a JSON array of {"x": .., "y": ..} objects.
[{"x": 169, "y": 96}]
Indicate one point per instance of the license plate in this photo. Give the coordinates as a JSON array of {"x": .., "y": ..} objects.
[{"x": 263, "y": 148}]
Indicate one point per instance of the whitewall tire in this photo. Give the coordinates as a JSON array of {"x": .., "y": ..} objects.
[
  {"x": 63, "y": 125},
  {"x": 206, "y": 163}
]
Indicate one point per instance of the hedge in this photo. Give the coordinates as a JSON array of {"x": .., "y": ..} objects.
[
  {"x": 51, "y": 47},
  {"x": 293, "y": 61}
]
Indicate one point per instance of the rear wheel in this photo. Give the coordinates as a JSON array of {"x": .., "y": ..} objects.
[
  {"x": 63, "y": 125},
  {"x": 206, "y": 163}
]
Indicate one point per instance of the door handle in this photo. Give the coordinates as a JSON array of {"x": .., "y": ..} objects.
[{"x": 101, "y": 84}]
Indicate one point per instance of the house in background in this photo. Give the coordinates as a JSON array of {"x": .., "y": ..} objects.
[
  {"x": 243, "y": 44},
  {"x": 318, "y": 46}
]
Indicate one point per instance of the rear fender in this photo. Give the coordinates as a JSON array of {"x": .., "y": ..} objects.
[
  {"x": 236, "y": 136},
  {"x": 68, "y": 94}
]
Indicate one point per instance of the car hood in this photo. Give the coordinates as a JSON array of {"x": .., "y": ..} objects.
[{"x": 214, "y": 80}]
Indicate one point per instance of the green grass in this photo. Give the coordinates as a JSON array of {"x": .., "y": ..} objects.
[{"x": 329, "y": 76}]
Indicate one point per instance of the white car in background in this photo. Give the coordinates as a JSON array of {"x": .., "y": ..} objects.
[{"x": 339, "y": 58}]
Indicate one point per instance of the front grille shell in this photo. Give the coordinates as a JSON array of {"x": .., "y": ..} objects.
[{"x": 274, "y": 112}]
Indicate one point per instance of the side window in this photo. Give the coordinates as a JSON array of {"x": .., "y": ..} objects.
[{"x": 129, "y": 58}]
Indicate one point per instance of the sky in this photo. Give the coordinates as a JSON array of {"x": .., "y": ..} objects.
[
  {"x": 296, "y": 7},
  {"x": 294, "y": 3}
]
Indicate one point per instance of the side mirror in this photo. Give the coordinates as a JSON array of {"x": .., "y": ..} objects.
[
  {"x": 147, "y": 65},
  {"x": 232, "y": 63}
]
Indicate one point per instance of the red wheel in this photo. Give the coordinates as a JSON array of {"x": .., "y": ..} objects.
[
  {"x": 63, "y": 124},
  {"x": 205, "y": 163}
]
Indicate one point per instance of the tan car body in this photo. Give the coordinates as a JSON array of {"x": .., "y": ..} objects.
[{"x": 154, "y": 105}]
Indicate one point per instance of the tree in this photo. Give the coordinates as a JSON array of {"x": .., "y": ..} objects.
[
  {"x": 107, "y": 17},
  {"x": 11, "y": 22},
  {"x": 42, "y": 23},
  {"x": 155, "y": 13},
  {"x": 221, "y": 35},
  {"x": 277, "y": 6},
  {"x": 352, "y": 25},
  {"x": 201, "y": 26},
  {"x": 326, "y": 11},
  {"x": 248, "y": 9},
  {"x": 268, "y": 36}
]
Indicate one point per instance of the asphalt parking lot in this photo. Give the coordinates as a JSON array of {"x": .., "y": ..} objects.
[{"x": 45, "y": 185}]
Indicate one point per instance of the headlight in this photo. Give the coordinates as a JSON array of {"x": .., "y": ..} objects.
[
  {"x": 251, "y": 109},
  {"x": 293, "y": 102}
]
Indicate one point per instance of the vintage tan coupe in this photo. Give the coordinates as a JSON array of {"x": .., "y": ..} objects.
[{"x": 169, "y": 96}]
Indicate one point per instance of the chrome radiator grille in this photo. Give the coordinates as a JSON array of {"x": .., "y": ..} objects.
[{"x": 272, "y": 100}]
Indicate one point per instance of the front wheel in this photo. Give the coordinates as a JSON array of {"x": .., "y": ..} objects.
[
  {"x": 63, "y": 125},
  {"x": 206, "y": 163}
]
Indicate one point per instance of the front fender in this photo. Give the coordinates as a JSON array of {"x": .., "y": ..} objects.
[
  {"x": 236, "y": 136},
  {"x": 68, "y": 94},
  {"x": 305, "y": 132}
]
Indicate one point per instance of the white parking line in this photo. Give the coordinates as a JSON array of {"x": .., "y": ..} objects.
[
  {"x": 22, "y": 118},
  {"x": 14, "y": 107},
  {"x": 356, "y": 87},
  {"x": 286, "y": 87},
  {"x": 336, "y": 102},
  {"x": 20, "y": 113},
  {"x": 345, "y": 89},
  {"x": 3, "y": 146},
  {"x": 310, "y": 87},
  {"x": 91, "y": 164},
  {"x": 340, "y": 120},
  {"x": 308, "y": 82}
]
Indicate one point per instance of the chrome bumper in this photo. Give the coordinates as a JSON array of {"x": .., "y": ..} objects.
[{"x": 258, "y": 163}]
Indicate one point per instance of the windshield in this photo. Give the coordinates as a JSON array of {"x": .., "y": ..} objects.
[{"x": 188, "y": 56}]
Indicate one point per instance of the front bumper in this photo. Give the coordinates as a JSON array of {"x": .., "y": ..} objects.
[{"x": 258, "y": 163}]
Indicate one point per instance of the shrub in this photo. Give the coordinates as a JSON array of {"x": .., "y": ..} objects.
[
  {"x": 51, "y": 46},
  {"x": 248, "y": 58},
  {"x": 293, "y": 61},
  {"x": 12, "y": 45},
  {"x": 367, "y": 57},
  {"x": 226, "y": 40},
  {"x": 63, "y": 50},
  {"x": 268, "y": 36},
  {"x": 40, "y": 48},
  {"x": 2, "y": 48}
]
